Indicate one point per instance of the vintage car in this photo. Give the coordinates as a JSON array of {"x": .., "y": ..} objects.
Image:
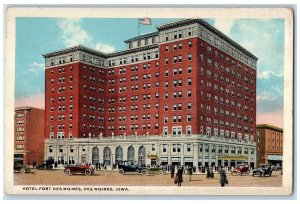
[
  {"x": 19, "y": 167},
  {"x": 79, "y": 169},
  {"x": 240, "y": 170},
  {"x": 131, "y": 166},
  {"x": 47, "y": 164},
  {"x": 156, "y": 170},
  {"x": 263, "y": 170}
]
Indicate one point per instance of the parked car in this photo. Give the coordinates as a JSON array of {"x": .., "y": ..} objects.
[
  {"x": 79, "y": 169},
  {"x": 47, "y": 164},
  {"x": 131, "y": 166},
  {"x": 263, "y": 170},
  {"x": 156, "y": 170},
  {"x": 240, "y": 170},
  {"x": 19, "y": 167}
]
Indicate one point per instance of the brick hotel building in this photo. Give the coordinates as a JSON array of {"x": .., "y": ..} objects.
[
  {"x": 29, "y": 135},
  {"x": 185, "y": 94}
]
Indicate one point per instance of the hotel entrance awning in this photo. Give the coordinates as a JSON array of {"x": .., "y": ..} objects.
[
  {"x": 274, "y": 157},
  {"x": 232, "y": 157}
]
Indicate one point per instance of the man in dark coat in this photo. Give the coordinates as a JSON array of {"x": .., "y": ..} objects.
[
  {"x": 172, "y": 171},
  {"x": 190, "y": 171},
  {"x": 223, "y": 177},
  {"x": 179, "y": 176}
]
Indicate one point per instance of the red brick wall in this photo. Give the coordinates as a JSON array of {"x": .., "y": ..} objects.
[
  {"x": 152, "y": 70},
  {"x": 33, "y": 135},
  {"x": 203, "y": 99},
  {"x": 170, "y": 54},
  {"x": 199, "y": 90}
]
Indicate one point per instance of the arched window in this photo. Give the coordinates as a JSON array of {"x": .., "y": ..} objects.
[
  {"x": 107, "y": 156},
  {"x": 95, "y": 155},
  {"x": 119, "y": 154},
  {"x": 142, "y": 155},
  {"x": 130, "y": 154}
]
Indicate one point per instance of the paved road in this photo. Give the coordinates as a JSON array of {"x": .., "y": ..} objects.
[{"x": 113, "y": 178}]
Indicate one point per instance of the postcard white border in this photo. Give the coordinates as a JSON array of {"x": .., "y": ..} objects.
[{"x": 263, "y": 13}]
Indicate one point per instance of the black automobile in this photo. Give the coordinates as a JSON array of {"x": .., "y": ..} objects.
[
  {"x": 47, "y": 164},
  {"x": 19, "y": 167},
  {"x": 131, "y": 166},
  {"x": 263, "y": 170}
]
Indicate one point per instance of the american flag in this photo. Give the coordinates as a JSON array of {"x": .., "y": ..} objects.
[{"x": 145, "y": 21}]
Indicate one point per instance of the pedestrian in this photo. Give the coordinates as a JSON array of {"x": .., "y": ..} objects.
[
  {"x": 207, "y": 173},
  {"x": 223, "y": 177},
  {"x": 179, "y": 176},
  {"x": 190, "y": 170},
  {"x": 172, "y": 171}
]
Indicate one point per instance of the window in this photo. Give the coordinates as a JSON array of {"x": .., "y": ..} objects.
[
  {"x": 166, "y": 119},
  {"x": 165, "y": 131},
  {"x": 61, "y": 149},
  {"x": 164, "y": 148},
  {"x": 189, "y": 118},
  {"x": 188, "y": 147},
  {"x": 153, "y": 147},
  {"x": 188, "y": 131}
]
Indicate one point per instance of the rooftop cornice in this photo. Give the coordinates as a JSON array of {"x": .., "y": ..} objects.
[
  {"x": 75, "y": 48},
  {"x": 26, "y": 108},
  {"x": 142, "y": 36},
  {"x": 184, "y": 22},
  {"x": 267, "y": 126},
  {"x": 124, "y": 52}
]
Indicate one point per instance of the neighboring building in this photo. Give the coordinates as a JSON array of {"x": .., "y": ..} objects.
[
  {"x": 188, "y": 87},
  {"x": 29, "y": 134},
  {"x": 269, "y": 140}
]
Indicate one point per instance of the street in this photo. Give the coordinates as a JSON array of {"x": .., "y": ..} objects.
[{"x": 113, "y": 178}]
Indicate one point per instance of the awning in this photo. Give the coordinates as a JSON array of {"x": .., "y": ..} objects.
[
  {"x": 175, "y": 159},
  {"x": 152, "y": 156},
  {"x": 188, "y": 159},
  {"x": 274, "y": 157},
  {"x": 164, "y": 159},
  {"x": 232, "y": 157}
]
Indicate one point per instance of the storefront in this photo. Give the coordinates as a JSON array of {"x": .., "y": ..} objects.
[
  {"x": 153, "y": 159},
  {"x": 275, "y": 159}
]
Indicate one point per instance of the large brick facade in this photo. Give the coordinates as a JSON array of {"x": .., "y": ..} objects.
[
  {"x": 186, "y": 79},
  {"x": 269, "y": 144},
  {"x": 29, "y": 134}
]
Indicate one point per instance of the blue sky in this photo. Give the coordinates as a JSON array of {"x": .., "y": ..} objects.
[{"x": 36, "y": 36}]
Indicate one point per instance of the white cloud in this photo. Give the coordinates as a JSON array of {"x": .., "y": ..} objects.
[
  {"x": 104, "y": 47},
  {"x": 266, "y": 74},
  {"x": 36, "y": 67},
  {"x": 73, "y": 34},
  {"x": 265, "y": 98},
  {"x": 224, "y": 25}
]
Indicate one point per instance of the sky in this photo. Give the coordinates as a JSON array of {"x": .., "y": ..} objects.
[{"x": 37, "y": 36}]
